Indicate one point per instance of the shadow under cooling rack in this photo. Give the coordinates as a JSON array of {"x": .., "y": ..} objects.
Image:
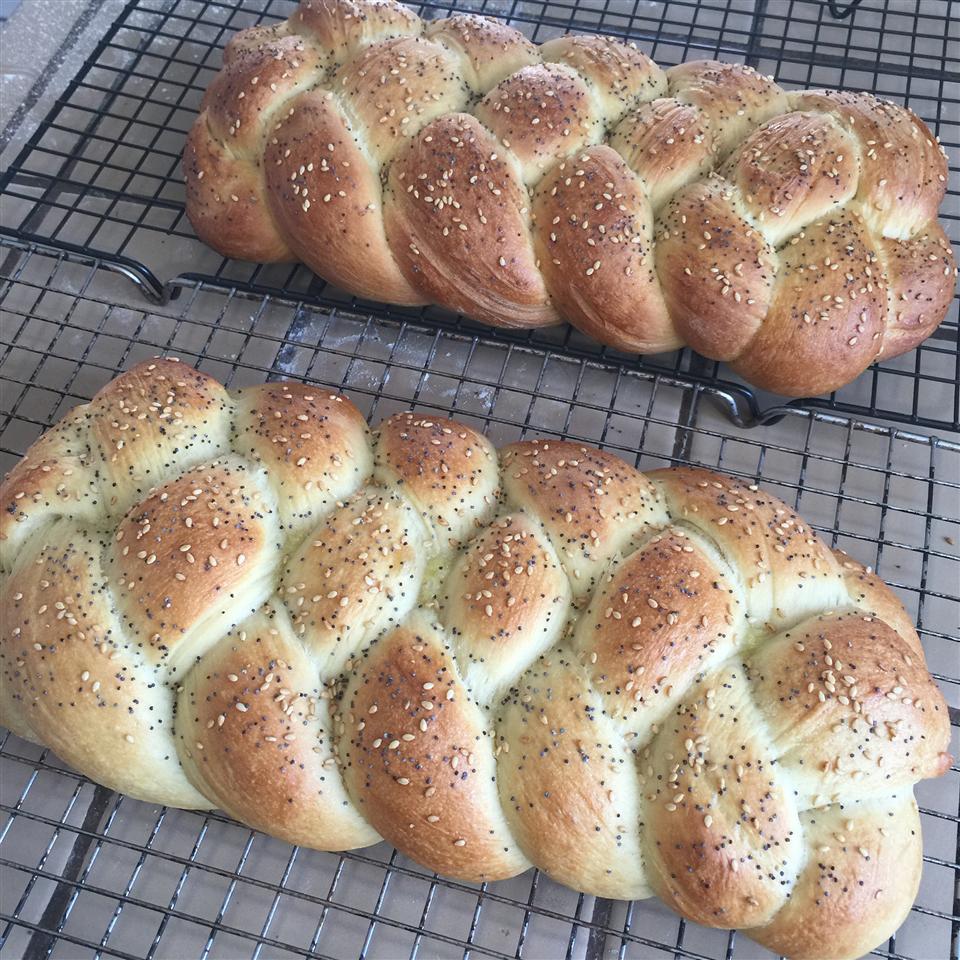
[
  {"x": 101, "y": 175},
  {"x": 89, "y": 873}
]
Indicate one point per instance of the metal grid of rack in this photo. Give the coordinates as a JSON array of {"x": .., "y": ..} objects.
[
  {"x": 100, "y": 177},
  {"x": 89, "y": 873}
]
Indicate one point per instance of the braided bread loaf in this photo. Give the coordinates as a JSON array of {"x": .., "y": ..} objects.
[
  {"x": 539, "y": 655},
  {"x": 791, "y": 234}
]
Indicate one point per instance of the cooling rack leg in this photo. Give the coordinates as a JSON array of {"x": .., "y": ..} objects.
[
  {"x": 151, "y": 287},
  {"x": 842, "y": 11}
]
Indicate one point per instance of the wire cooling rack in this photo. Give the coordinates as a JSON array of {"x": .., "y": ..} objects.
[
  {"x": 88, "y": 873},
  {"x": 101, "y": 175}
]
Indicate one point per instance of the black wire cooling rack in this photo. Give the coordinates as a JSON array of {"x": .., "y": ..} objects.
[
  {"x": 89, "y": 873},
  {"x": 97, "y": 192},
  {"x": 101, "y": 178}
]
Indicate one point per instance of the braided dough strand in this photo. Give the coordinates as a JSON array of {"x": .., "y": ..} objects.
[
  {"x": 793, "y": 235},
  {"x": 538, "y": 655}
]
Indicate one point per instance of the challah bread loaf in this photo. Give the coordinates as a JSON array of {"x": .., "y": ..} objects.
[
  {"x": 793, "y": 235},
  {"x": 663, "y": 683}
]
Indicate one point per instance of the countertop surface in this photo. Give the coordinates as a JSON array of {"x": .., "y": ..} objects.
[{"x": 43, "y": 44}]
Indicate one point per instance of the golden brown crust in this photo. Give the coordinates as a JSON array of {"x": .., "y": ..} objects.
[
  {"x": 327, "y": 200},
  {"x": 490, "y": 50},
  {"x": 447, "y": 132},
  {"x": 241, "y": 102},
  {"x": 826, "y": 319},
  {"x": 507, "y": 600},
  {"x": 344, "y": 27},
  {"x": 667, "y": 143},
  {"x": 426, "y": 203},
  {"x": 456, "y": 215},
  {"x": 594, "y": 242},
  {"x": 159, "y": 418},
  {"x": 903, "y": 169},
  {"x": 417, "y": 759},
  {"x": 793, "y": 170},
  {"x": 735, "y": 97},
  {"x": 723, "y": 833},
  {"x": 716, "y": 269},
  {"x": 255, "y": 733},
  {"x": 227, "y": 199},
  {"x": 448, "y": 470},
  {"x": 541, "y": 114},
  {"x": 619, "y": 74},
  {"x": 244, "y": 42},
  {"x": 785, "y": 570},
  {"x": 567, "y": 782},
  {"x": 633, "y": 682},
  {"x": 57, "y": 476},
  {"x": 666, "y": 614},
  {"x": 192, "y": 558},
  {"x": 922, "y": 276},
  {"x": 357, "y": 573},
  {"x": 227, "y": 204},
  {"x": 591, "y": 503},
  {"x": 391, "y": 91},
  {"x": 75, "y": 683},
  {"x": 314, "y": 446},
  {"x": 862, "y": 873},
  {"x": 851, "y": 711}
]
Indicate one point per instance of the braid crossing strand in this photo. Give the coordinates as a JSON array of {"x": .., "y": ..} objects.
[
  {"x": 663, "y": 683},
  {"x": 791, "y": 234}
]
